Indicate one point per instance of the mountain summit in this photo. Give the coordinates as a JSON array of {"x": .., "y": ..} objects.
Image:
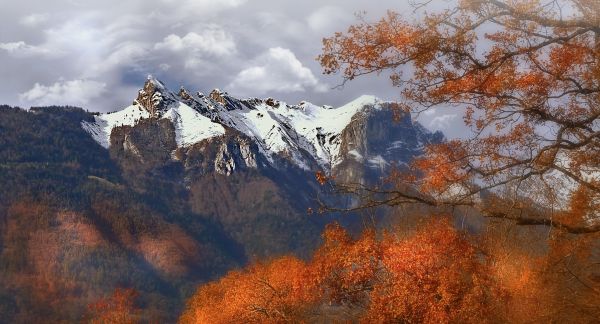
[{"x": 256, "y": 133}]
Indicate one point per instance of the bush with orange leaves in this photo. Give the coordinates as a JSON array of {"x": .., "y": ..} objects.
[
  {"x": 433, "y": 275},
  {"x": 118, "y": 308},
  {"x": 277, "y": 291},
  {"x": 551, "y": 277}
]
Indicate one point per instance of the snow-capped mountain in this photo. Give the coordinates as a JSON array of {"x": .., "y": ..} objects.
[{"x": 267, "y": 132}]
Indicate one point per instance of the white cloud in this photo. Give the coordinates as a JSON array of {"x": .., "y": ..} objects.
[
  {"x": 328, "y": 18},
  {"x": 197, "y": 51},
  {"x": 34, "y": 20},
  {"x": 96, "y": 48},
  {"x": 277, "y": 70},
  {"x": 124, "y": 54},
  {"x": 289, "y": 28},
  {"x": 201, "y": 6},
  {"x": 177, "y": 13},
  {"x": 74, "y": 92},
  {"x": 80, "y": 37},
  {"x": 21, "y": 49},
  {"x": 442, "y": 122},
  {"x": 90, "y": 40},
  {"x": 212, "y": 41}
]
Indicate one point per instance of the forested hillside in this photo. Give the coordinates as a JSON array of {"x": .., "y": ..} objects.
[{"x": 73, "y": 227}]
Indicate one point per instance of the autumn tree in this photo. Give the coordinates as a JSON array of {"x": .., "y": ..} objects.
[
  {"x": 433, "y": 275},
  {"x": 274, "y": 292},
  {"x": 525, "y": 76}
]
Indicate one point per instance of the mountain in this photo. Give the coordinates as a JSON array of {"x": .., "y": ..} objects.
[
  {"x": 263, "y": 133},
  {"x": 250, "y": 163},
  {"x": 172, "y": 191}
]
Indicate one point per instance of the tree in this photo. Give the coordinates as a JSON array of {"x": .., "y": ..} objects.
[
  {"x": 273, "y": 292},
  {"x": 433, "y": 275},
  {"x": 524, "y": 74}
]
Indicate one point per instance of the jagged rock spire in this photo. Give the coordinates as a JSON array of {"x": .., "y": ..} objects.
[
  {"x": 151, "y": 96},
  {"x": 184, "y": 94},
  {"x": 217, "y": 95}
]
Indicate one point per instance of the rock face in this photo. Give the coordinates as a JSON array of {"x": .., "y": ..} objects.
[
  {"x": 217, "y": 133},
  {"x": 223, "y": 155},
  {"x": 151, "y": 141},
  {"x": 152, "y": 98},
  {"x": 372, "y": 143}
]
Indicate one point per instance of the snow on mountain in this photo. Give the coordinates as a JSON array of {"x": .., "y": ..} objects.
[
  {"x": 282, "y": 128},
  {"x": 191, "y": 126},
  {"x": 322, "y": 125},
  {"x": 104, "y": 124},
  {"x": 304, "y": 134}
]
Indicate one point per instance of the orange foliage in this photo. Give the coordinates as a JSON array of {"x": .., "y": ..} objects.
[
  {"x": 321, "y": 177},
  {"x": 264, "y": 293},
  {"x": 434, "y": 275},
  {"x": 345, "y": 269},
  {"x": 119, "y": 308},
  {"x": 549, "y": 279},
  {"x": 440, "y": 166},
  {"x": 525, "y": 77},
  {"x": 169, "y": 251}
]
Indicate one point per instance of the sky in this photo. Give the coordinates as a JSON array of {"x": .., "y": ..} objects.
[{"x": 97, "y": 54}]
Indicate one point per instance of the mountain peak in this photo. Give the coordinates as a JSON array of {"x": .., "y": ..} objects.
[
  {"x": 154, "y": 96},
  {"x": 156, "y": 82},
  {"x": 218, "y": 96},
  {"x": 307, "y": 135},
  {"x": 184, "y": 94}
]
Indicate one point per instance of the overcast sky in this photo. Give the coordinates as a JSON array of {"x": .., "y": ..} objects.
[{"x": 97, "y": 54}]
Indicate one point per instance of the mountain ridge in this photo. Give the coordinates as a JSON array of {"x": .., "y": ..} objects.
[{"x": 307, "y": 135}]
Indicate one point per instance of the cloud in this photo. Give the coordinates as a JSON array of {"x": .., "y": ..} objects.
[
  {"x": 201, "y": 44},
  {"x": 124, "y": 54},
  {"x": 82, "y": 37},
  {"x": 195, "y": 53},
  {"x": 211, "y": 41},
  {"x": 190, "y": 7},
  {"x": 21, "y": 49},
  {"x": 74, "y": 92},
  {"x": 34, "y": 20},
  {"x": 327, "y": 19},
  {"x": 276, "y": 70},
  {"x": 442, "y": 122}
]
